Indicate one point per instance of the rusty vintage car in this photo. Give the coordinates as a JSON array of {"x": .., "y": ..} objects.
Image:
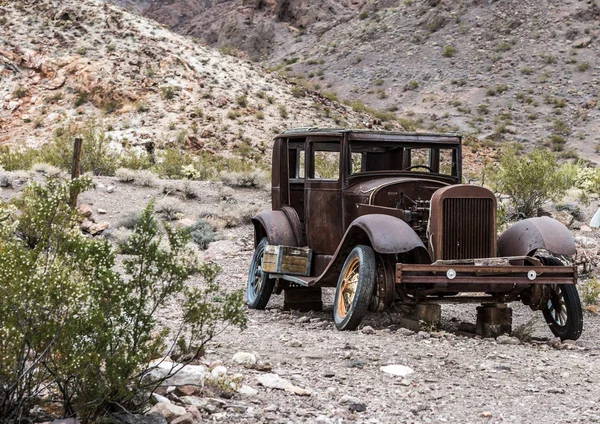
[{"x": 384, "y": 217}]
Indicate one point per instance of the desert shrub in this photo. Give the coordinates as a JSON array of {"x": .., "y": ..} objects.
[
  {"x": 256, "y": 179},
  {"x": 12, "y": 160},
  {"x": 202, "y": 233},
  {"x": 236, "y": 215},
  {"x": 184, "y": 188},
  {"x": 46, "y": 169},
  {"x": 590, "y": 291},
  {"x": 125, "y": 175},
  {"x": 97, "y": 156},
  {"x": 448, "y": 51},
  {"x": 171, "y": 162},
  {"x": 135, "y": 160},
  {"x": 170, "y": 208},
  {"x": 131, "y": 221},
  {"x": 145, "y": 178},
  {"x": 529, "y": 180},
  {"x": 74, "y": 328}
]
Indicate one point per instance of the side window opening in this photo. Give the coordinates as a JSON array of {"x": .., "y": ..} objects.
[
  {"x": 325, "y": 161},
  {"x": 296, "y": 157}
]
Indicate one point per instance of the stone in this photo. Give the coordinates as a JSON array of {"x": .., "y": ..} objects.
[
  {"x": 110, "y": 189},
  {"x": 580, "y": 43},
  {"x": 187, "y": 418},
  {"x": 296, "y": 343},
  {"x": 595, "y": 221},
  {"x": 263, "y": 366},
  {"x": 507, "y": 340},
  {"x": 168, "y": 410},
  {"x": 184, "y": 223},
  {"x": 367, "y": 329},
  {"x": 247, "y": 391},
  {"x": 423, "y": 335},
  {"x": 150, "y": 418},
  {"x": 175, "y": 374},
  {"x": 357, "y": 407},
  {"x": 274, "y": 381},
  {"x": 218, "y": 371},
  {"x": 398, "y": 370},
  {"x": 85, "y": 210},
  {"x": 405, "y": 332},
  {"x": 98, "y": 228},
  {"x": 493, "y": 367},
  {"x": 102, "y": 211},
  {"x": 86, "y": 225},
  {"x": 4, "y": 180},
  {"x": 187, "y": 390},
  {"x": 347, "y": 399},
  {"x": 245, "y": 359},
  {"x": 303, "y": 319},
  {"x": 159, "y": 398},
  {"x": 486, "y": 414}
]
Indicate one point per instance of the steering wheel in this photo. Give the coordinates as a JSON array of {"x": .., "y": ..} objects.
[{"x": 419, "y": 166}]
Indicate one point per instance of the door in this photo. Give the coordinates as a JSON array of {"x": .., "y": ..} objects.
[{"x": 323, "y": 194}]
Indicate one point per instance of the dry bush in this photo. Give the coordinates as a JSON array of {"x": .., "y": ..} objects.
[
  {"x": 170, "y": 208},
  {"x": 145, "y": 178},
  {"x": 46, "y": 169},
  {"x": 256, "y": 178},
  {"x": 234, "y": 215},
  {"x": 125, "y": 175},
  {"x": 183, "y": 188}
]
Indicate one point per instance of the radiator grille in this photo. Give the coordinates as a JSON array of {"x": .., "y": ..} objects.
[{"x": 468, "y": 228}]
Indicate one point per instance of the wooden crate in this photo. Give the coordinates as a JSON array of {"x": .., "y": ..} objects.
[{"x": 287, "y": 260}]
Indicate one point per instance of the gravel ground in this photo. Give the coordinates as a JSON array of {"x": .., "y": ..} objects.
[{"x": 455, "y": 379}]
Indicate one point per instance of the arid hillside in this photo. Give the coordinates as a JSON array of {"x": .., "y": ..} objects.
[
  {"x": 511, "y": 70},
  {"x": 69, "y": 61}
]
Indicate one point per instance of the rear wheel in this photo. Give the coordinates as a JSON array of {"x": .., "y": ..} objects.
[
  {"x": 563, "y": 310},
  {"x": 260, "y": 286},
  {"x": 355, "y": 288}
]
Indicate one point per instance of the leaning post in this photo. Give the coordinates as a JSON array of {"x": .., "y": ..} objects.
[{"x": 76, "y": 168}]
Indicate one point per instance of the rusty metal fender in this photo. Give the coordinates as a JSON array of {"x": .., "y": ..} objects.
[
  {"x": 274, "y": 225},
  {"x": 525, "y": 237},
  {"x": 386, "y": 234}
]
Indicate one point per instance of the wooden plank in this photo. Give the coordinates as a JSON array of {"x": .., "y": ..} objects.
[{"x": 290, "y": 260}]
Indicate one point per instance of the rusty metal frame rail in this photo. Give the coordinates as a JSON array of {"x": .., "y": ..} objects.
[{"x": 472, "y": 274}]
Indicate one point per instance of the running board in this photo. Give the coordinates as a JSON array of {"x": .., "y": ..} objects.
[{"x": 302, "y": 281}]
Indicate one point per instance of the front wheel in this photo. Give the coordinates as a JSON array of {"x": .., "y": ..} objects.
[
  {"x": 355, "y": 288},
  {"x": 260, "y": 286},
  {"x": 563, "y": 310}
]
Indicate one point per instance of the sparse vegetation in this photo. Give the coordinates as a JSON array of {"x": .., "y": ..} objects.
[
  {"x": 448, "y": 51},
  {"x": 529, "y": 180},
  {"x": 202, "y": 233}
]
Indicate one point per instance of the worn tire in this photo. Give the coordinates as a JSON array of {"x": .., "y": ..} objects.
[
  {"x": 355, "y": 288},
  {"x": 260, "y": 287},
  {"x": 563, "y": 311}
]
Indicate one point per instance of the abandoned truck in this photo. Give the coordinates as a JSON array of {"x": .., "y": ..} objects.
[{"x": 384, "y": 217}]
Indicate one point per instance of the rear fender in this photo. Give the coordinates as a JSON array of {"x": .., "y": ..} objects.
[
  {"x": 274, "y": 225},
  {"x": 386, "y": 234},
  {"x": 529, "y": 235}
]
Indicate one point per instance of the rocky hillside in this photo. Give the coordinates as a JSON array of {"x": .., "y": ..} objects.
[
  {"x": 71, "y": 61},
  {"x": 524, "y": 71}
]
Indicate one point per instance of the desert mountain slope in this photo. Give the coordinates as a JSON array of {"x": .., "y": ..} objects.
[
  {"x": 63, "y": 61},
  {"x": 524, "y": 71}
]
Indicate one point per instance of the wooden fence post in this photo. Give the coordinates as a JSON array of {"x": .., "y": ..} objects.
[{"x": 76, "y": 168}]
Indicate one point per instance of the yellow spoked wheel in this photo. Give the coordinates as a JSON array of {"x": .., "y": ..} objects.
[{"x": 355, "y": 288}]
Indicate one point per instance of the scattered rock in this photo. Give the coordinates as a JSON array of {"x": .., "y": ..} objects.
[
  {"x": 357, "y": 407},
  {"x": 247, "y": 391},
  {"x": 507, "y": 340},
  {"x": 85, "y": 210},
  {"x": 405, "y": 332},
  {"x": 110, "y": 189},
  {"x": 399, "y": 370},
  {"x": 187, "y": 418},
  {"x": 486, "y": 414},
  {"x": 274, "y": 381},
  {"x": 98, "y": 228},
  {"x": 101, "y": 211},
  {"x": 192, "y": 375},
  {"x": 423, "y": 335},
  {"x": 168, "y": 410},
  {"x": 368, "y": 330},
  {"x": 347, "y": 399},
  {"x": 218, "y": 371},
  {"x": 245, "y": 359},
  {"x": 296, "y": 343},
  {"x": 493, "y": 367},
  {"x": 150, "y": 418},
  {"x": 582, "y": 42}
]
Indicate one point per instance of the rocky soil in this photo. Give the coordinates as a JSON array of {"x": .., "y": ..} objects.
[
  {"x": 524, "y": 71},
  {"x": 67, "y": 62},
  {"x": 292, "y": 367}
]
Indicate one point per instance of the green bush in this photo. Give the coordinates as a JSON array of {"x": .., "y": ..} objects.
[
  {"x": 529, "y": 180},
  {"x": 13, "y": 160},
  {"x": 78, "y": 333},
  {"x": 202, "y": 233},
  {"x": 97, "y": 156}
]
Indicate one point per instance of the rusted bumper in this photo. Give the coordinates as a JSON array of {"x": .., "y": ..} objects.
[{"x": 449, "y": 275}]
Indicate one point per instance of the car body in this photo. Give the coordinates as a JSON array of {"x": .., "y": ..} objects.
[{"x": 384, "y": 217}]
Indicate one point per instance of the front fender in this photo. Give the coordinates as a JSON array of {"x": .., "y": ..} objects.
[
  {"x": 275, "y": 226},
  {"x": 525, "y": 237},
  {"x": 386, "y": 234}
]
